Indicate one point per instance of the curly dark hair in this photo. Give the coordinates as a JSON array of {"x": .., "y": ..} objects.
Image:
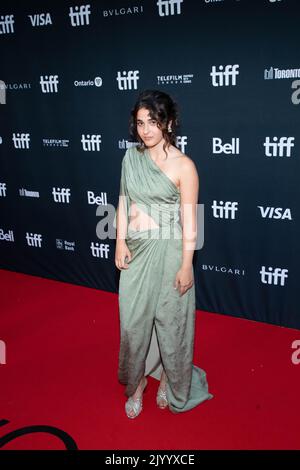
[{"x": 163, "y": 109}]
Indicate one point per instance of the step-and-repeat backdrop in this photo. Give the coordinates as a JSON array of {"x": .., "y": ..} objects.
[{"x": 70, "y": 74}]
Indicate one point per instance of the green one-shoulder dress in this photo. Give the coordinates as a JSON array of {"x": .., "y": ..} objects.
[{"x": 147, "y": 297}]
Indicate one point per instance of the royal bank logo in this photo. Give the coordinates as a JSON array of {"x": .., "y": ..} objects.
[
  {"x": 224, "y": 76},
  {"x": 3, "y": 189},
  {"x": 122, "y": 11},
  {"x": 91, "y": 142},
  {"x": 183, "y": 79},
  {"x": 56, "y": 143},
  {"x": 279, "y": 147},
  {"x": 21, "y": 140},
  {"x": 275, "y": 213},
  {"x": 49, "y": 83},
  {"x": 99, "y": 250},
  {"x": 224, "y": 210},
  {"x": 169, "y": 7},
  {"x": 80, "y": 15},
  {"x": 40, "y": 19},
  {"x": 7, "y": 24},
  {"x": 274, "y": 73},
  {"x": 6, "y": 236},
  {"x": 128, "y": 80},
  {"x": 232, "y": 148},
  {"x": 98, "y": 200},
  {"x": 34, "y": 239},
  {"x": 65, "y": 245},
  {"x": 274, "y": 276},
  {"x": 97, "y": 82},
  {"x": 61, "y": 195}
]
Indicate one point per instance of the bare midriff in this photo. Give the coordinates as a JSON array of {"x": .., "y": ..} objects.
[{"x": 139, "y": 220}]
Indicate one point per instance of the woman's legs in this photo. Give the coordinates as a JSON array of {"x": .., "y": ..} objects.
[
  {"x": 161, "y": 398},
  {"x": 134, "y": 403}
]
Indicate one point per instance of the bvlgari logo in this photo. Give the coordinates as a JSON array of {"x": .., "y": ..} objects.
[
  {"x": 14, "y": 86},
  {"x": 132, "y": 10},
  {"x": 224, "y": 269}
]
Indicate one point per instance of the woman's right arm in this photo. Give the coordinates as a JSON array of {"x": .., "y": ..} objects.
[{"x": 122, "y": 250}]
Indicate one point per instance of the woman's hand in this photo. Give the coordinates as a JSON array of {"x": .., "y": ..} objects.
[
  {"x": 184, "y": 280},
  {"x": 122, "y": 252}
]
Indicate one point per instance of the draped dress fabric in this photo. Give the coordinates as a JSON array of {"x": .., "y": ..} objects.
[{"x": 147, "y": 297}]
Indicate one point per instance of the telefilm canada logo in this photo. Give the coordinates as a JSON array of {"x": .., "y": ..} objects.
[{"x": 180, "y": 79}]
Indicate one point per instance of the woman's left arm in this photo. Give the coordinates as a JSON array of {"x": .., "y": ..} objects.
[{"x": 189, "y": 189}]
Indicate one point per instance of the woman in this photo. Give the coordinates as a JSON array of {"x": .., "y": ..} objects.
[{"x": 154, "y": 251}]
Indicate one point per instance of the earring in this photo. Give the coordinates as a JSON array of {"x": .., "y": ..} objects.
[{"x": 169, "y": 128}]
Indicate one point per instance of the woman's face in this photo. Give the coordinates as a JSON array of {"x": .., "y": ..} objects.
[{"x": 147, "y": 128}]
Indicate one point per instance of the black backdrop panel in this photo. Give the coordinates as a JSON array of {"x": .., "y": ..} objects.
[{"x": 70, "y": 74}]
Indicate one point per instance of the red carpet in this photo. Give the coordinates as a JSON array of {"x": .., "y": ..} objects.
[{"x": 61, "y": 372}]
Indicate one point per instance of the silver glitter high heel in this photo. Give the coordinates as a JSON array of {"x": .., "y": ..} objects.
[
  {"x": 135, "y": 405},
  {"x": 161, "y": 398}
]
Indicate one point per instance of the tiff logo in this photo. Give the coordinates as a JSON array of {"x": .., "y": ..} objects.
[
  {"x": 221, "y": 211},
  {"x": 7, "y": 24},
  {"x": 279, "y": 148},
  {"x": 21, "y": 141},
  {"x": 49, "y": 83},
  {"x": 2, "y": 92},
  {"x": 219, "y": 147},
  {"x": 225, "y": 77},
  {"x": 181, "y": 142},
  {"x": 61, "y": 195},
  {"x": 272, "y": 277},
  {"x": 80, "y": 16},
  {"x": 167, "y": 7},
  {"x": 128, "y": 80},
  {"x": 99, "y": 250},
  {"x": 91, "y": 143},
  {"x": 2, "y": 189},
  {"x": 34, "y": 239},
  {"x": 2, "y": 352}
]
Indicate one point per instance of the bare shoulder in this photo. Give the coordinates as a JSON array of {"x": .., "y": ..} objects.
[{"x": 185, "y": 163}]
